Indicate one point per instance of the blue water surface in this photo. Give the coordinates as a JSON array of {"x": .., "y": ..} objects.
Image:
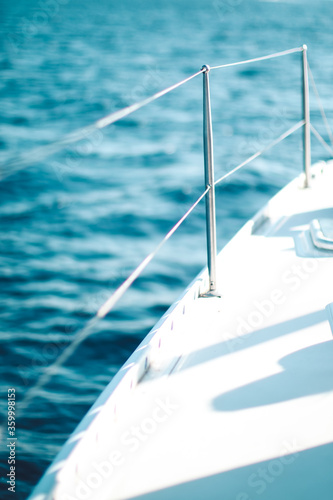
[{"x": 75, "y": 224}]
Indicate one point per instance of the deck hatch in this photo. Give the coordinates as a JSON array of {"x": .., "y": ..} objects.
[{"x": 322, "y": 233}]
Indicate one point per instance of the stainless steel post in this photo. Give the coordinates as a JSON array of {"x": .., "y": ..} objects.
[
  {"x": 306, "y": 116},
  {"x": 209, "y": 181}
]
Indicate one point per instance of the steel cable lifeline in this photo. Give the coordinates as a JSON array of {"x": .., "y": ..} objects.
[
  {"x": 259, "y": 153},
  {"x": 108, "y": 305},
  {"x": 24, "y": 160},
  {"x": 18, "y": 163},
  {"x": 262, "y": 58},
  {"x": 321, "y": 140},
  {"x": 321, "y": 107}
]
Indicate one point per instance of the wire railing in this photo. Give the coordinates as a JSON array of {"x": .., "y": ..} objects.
[
  {"x": 276, "y": 141},
  {"x": 19, "y": 162},
  {"x": 42, "y": 152},
  {"x": 321, "y": 107}
]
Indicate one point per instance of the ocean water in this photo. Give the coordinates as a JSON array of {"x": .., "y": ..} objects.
[{"x": 75, "y": 224}]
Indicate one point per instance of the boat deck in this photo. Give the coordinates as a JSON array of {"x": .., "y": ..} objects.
[{"x": 234, "y": 395}]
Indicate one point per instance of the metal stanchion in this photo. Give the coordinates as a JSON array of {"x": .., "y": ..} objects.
[
  {"x": 209, "y": 181},
  {"x": 306, "y": 116}
]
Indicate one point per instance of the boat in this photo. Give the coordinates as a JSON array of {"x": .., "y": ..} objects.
[{"x": 231, "y": 393}]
